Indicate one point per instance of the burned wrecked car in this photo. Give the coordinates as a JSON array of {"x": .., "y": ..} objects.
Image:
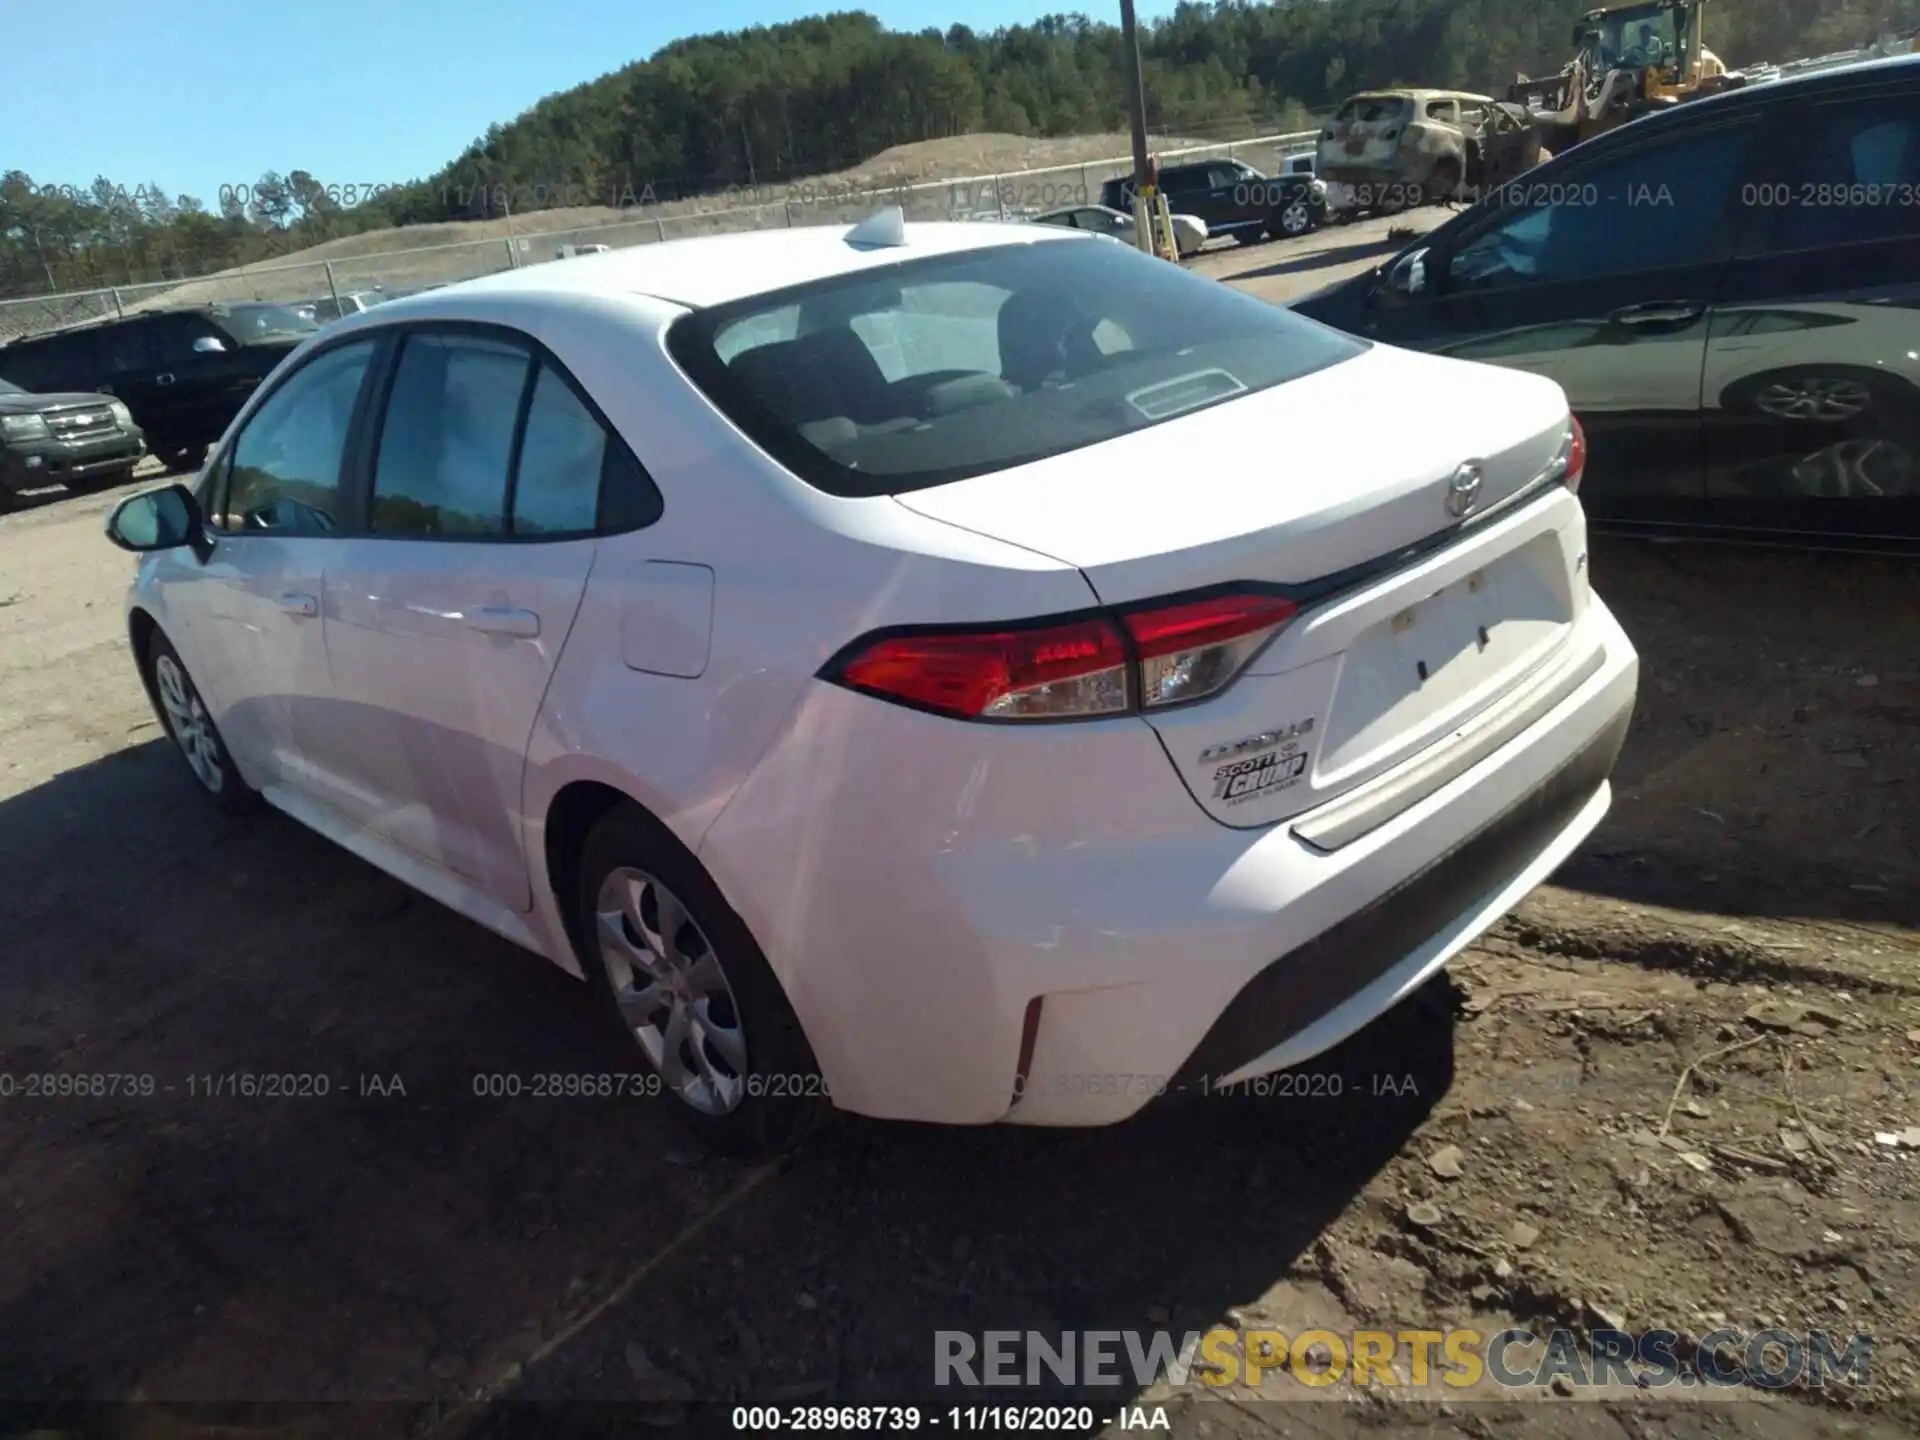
[{"x": 1391, "y": 149}]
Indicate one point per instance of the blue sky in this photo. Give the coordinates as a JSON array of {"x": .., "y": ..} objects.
[{"x": 193, "y": 96}]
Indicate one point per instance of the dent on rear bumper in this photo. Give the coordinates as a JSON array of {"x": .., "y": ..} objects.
[{"x": 961, "y": 872}]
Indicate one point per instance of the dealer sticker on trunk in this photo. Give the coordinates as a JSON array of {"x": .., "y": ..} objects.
[{"x": 1264, "y": 775}]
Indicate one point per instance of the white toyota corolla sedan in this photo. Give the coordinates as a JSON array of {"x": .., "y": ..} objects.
[{"x": 959, "y": 673}]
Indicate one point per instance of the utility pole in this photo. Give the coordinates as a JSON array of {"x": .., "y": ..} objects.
[{"x": 1143, "y": 190}]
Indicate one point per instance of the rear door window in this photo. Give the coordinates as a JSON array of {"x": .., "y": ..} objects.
[
  {"x": 933, "y": 370},
  {"x": 1853, "y": 177},
  {"x": 562, "y": 459},
  {"x": 446, "y": 444},
  {"x": 1653, "y": 207},
  {"x": 121, "y": 349},
  {"x": 1375, "y": 110}
]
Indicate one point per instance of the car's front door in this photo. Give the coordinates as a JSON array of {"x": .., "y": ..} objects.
[
  {"x": 1599, "y": 276},
  {"x": 204, "y": 376},
  {"x": 274, "y": 499},
  {"x": 446, "y": 617},
  {"x": 1812, "y": 389},
  {"x": 1231, "y": 198}
]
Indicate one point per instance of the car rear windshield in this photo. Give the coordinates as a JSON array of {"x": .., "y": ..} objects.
[
  {"x": 1372, "y": 109},
  {"x": 934, "y": 370}
]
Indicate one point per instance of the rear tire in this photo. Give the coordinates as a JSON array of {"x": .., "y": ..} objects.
[
  {"x": 1291, "y": 220},
  {"x": 685, "y": 994},
  {"x": 1443, "y": 182},
  {"x": 183, "y": 715}
]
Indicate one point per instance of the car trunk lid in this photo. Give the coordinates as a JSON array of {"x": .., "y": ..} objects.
[{"x": 1330, "y": 488}]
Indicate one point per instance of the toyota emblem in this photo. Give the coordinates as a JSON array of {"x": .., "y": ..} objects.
[{"x": 1463, "y": 491}]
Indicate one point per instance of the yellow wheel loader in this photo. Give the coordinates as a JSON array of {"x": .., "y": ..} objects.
[{"x": 1629, "y": 59}]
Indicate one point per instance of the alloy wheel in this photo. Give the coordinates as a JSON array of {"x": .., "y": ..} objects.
[
  {"x": 1294, "y": 219},
  {"x": 188, "y": 720},
  {"x": 673, "y": 995},
  {"x": 1829, "y": 398}
]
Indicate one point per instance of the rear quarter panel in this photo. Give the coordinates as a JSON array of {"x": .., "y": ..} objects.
[{"x": 796, "y": 575}]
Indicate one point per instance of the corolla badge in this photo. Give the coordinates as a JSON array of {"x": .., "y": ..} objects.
[
  {"x": 1253, "y": 744},
  {"x": 1463, "y": 491}
]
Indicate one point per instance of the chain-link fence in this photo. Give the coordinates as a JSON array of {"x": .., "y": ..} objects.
[{"x": 827, "y": 201}]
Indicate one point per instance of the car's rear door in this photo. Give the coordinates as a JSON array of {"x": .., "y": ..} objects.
[
  {"x": 1812, "y": 387},
  {"x": 120, "y": 357},
  {"x": 445, "y": 617},
  {"x": 1189, "y": 191},
  {"x": 1600, "y": 275}
]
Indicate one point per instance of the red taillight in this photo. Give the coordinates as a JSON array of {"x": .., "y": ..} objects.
[
  {"x": 1196, "y": 648},
  {"x": 1073, "y": 669},
  {"x": 1077, "y": 669},
  {"x": 1576, "y": 455}
]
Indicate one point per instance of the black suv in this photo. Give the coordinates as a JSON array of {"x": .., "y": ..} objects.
[
  {"x": 183, "y": 373},
  {"x": 1233, "y": 198},
  {"x": 84, "y": 442},
  {"x": 1729, "y": 294}
]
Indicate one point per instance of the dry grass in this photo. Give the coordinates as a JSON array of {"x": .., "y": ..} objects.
[
  {"x": 379, "y": 257},
  {"x": 412, "y": 257}
]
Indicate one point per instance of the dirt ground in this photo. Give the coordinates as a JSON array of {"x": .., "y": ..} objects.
[{"x": 1750, "y": 909}]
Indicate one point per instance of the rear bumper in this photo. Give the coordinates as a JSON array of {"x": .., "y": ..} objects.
[
  {"x": 24, "y": 465},
  {"x": 983, "y": 902},
  {"x": 1303, "y": 1002}
]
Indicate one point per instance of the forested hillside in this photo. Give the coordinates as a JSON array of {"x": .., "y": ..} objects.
[{"x": 768, "y": 105}]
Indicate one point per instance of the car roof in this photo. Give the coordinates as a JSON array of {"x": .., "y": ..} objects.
[{"x": 707, "y": 270}]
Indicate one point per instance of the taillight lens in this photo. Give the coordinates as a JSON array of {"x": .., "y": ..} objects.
[
  {"x": 1190, "y": 650},
  {"x": 1080, "y": 669},
  {"x": 1576, "y": 452},
  {"x": 1077, "y": 669}
]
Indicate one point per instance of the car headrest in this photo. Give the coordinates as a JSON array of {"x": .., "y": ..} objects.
[{"x": 815, "y": 377}]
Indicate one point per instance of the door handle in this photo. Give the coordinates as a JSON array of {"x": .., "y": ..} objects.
[
  {"x": 294, "y": 603},
  {"x": 505, "y": 620},
  {"x": 1660, "y": 312},
  {"x": 166, "y": 379}
]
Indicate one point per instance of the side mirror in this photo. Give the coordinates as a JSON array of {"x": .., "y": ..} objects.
[
  {"x": 1408, "y": 277},
  {"x": 208, "y": 345},
  {"x": 160, "y": 520}
]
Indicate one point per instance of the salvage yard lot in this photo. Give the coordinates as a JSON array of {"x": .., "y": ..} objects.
[{"x": 404, "y": 1238}]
